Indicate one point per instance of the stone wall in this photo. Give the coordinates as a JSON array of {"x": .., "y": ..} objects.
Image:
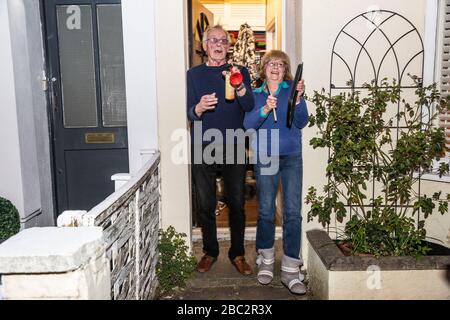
[{"x": 130, "y": 222}]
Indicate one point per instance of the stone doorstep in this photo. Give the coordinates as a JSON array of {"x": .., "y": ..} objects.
[{"x": 334, "y": 260}]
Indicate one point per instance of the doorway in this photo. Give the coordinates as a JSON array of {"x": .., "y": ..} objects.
[
  {"x": 86, "y": 75},
  {"x": 264, "y": 17}
]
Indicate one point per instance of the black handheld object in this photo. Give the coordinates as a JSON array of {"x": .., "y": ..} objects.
[{"x": 294, "y": 96}]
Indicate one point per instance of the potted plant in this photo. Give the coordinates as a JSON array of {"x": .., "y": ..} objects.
[
  {"x": 9, "y": 220},
  {"x": 389, "y": 220}
]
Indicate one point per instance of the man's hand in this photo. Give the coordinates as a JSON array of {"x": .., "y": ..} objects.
[
  {"x": 236, "y": 77},
  {"x": 207, "y": 103},
  {"x": 236, "y": 80}
]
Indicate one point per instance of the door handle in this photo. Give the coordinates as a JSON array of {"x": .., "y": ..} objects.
[{"x": 54, "y": 89}]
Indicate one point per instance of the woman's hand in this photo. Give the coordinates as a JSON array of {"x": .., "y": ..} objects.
[
  {"x": 207, "y": 103},
  {"x": 301, "y": 90},
  {"x": 271, "y": 104}
]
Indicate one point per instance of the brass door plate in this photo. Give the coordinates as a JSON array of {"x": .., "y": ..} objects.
[{"x": 100, "y": 138}]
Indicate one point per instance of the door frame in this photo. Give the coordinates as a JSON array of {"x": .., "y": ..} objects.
[
  {"x": 224, "y": 233},
  {"x": 50, "y": 127}
]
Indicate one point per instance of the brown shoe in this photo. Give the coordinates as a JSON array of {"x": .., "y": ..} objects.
[
  {"x": 205, "y": 263},
  {"x": 242, "y": 266}
]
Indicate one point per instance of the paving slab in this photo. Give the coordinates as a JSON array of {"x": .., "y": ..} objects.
[{"x": 224, "y": 282}]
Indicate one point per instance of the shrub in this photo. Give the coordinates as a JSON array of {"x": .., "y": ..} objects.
[
  {"x": 9, "y": 219},
  {"x": 364, "y": 150},
  {"x": 175, "y": 264}
]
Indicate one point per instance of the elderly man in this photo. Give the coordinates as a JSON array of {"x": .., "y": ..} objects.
[{"x": 208, "y": 107}]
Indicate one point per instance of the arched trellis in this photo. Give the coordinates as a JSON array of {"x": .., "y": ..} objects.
[
  {"x": 361, "y": 46},
  {"x": 375, "y": 70}
]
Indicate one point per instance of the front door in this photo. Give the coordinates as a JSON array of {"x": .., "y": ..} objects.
[{"x": 88, "y": 103}]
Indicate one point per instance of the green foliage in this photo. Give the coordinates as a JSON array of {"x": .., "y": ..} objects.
[
  {"x": 364, "y": 150},
  {"x": 9, "y": 219},
  {"x": 175, "y": 264}
]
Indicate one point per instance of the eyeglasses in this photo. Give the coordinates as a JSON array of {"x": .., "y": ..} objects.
[
  {"x": 276, "y": 64},
  {"x": 216, "y": 41}
]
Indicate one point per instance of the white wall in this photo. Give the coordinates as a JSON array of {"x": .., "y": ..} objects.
[
  {"x": 28, "y": 169},
  {"x": 24, "y": 107},
  {"x": 171, "y": 66},
  {"x": 36, "y": 62},
  {"x": 293, "y": 35},
  {"x": 10, "y": 170},
  {"x": 155, "y": 42},
  {"x": 140, "y": 76},
  {"x": 437, "y": 225}
]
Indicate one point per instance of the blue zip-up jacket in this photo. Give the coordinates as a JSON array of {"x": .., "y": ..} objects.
[{"x": 290, "y": 140}]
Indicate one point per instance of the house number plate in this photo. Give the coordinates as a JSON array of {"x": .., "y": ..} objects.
[{"x": 100, "y": 138}]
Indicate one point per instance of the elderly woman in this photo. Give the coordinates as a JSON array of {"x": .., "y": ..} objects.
[{"x": 274, "y": 144}]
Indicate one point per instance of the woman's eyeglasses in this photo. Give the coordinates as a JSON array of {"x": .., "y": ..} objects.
[
  {"x": 276, "y": 64},
  {"x": 216, "y": 41}
]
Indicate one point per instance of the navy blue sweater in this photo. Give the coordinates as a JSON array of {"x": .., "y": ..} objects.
[
  {"x": 289, "y": 141},
  {"x": 203, "y": 80}
]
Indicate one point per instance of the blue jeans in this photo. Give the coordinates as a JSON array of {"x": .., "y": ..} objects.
[{"x": 291, "y": 173}]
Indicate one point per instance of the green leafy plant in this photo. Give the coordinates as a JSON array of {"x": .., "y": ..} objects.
[
  {"x": 363, "y": 150},
  {"x": 9, "y": 219},
  {"x": 175, "y": 264}
]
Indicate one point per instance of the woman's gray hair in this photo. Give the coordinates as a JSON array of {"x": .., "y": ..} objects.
[{"x": 216, "y": 27}]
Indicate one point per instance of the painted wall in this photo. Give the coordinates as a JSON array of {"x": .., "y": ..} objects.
[
  {"x": 29, "y": 184},
  {"x": 293, "y": 31},
  {"x": 140, "y": 76},
  {"x": 437, "y": 225},
  {"x": 41, "y": 121},
  {"x": 10, "y": 171},
  {"x": 155, "y": 42},
  {"x": 172, "y": 60},
  {"x": 317, "y": 42}
]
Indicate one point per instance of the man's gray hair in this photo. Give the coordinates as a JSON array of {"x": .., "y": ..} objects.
[{"x": 216, "y": 27}]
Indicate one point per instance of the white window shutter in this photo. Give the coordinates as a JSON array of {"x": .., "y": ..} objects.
[{"x": 444, "y": 120}]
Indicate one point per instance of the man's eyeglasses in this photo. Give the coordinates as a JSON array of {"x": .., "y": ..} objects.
[
  {"x": 216, "y": 41},
  {"x": 276, "y": 64}
]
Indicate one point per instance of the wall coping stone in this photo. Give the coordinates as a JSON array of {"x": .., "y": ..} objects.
[
  {"x": 50, "y": 250},
  {"x": 334, "y": 260}
]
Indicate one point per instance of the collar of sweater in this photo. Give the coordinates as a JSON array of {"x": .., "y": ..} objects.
[{"x": 264, "y": 88}]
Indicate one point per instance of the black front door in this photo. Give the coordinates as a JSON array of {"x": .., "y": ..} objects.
[{"x": 87, "y": 94}]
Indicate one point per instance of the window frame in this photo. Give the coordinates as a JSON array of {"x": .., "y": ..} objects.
[{"x": 434, "y": 28}]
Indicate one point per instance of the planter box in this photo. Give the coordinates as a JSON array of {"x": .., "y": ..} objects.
[{"x": 333, "y": 276}]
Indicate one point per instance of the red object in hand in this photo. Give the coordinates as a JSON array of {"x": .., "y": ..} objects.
[{"x": 236, "y": 78}]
